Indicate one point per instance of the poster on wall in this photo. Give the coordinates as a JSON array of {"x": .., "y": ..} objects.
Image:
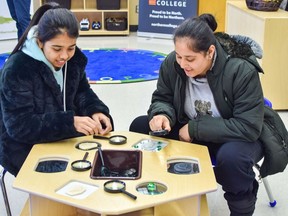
[
  {"x": 8, "y": 28},
  {"x": 159, "y": 18}
]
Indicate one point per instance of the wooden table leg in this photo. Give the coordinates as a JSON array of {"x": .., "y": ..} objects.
[
  {"x": 40, "y": 206},
  {"x": 193, "y": 206}
]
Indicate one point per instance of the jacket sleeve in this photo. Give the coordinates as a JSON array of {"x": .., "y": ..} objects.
[
  {"x": 86, "y": 101},
  {"x": 162, "y": 98},
  {"x": 24, "y": 125}
]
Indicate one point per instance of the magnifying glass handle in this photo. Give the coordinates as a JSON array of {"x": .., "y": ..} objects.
[
  {"x": 129, "y": 194},
  {"x": 85, "y": 156},
  {"x": 100, "y": 137},
  {"x": 101, "y": 156}
]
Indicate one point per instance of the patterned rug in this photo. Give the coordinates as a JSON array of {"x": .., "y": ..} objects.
[{"x": 118, "y": 65}]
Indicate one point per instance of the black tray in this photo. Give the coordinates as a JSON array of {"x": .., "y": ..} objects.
[
  {"x": 116, "y": 24},
  {"x": 118, "y": 161}
]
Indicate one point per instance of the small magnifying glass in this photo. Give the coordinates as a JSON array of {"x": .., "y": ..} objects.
[
  {"x": 115, "y": 140},
  {"x": 117, "y": 186},
  {"x": 81, "y": 165},
  {"x": 88, "y": 145}
]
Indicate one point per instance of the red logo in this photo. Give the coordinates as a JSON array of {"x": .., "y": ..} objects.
[{"x": 152, "y": 2}]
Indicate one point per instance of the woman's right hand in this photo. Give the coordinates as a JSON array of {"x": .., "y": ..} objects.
[
  {"x": 159, "y": 122},
  {"x": 85, "y": 125}
]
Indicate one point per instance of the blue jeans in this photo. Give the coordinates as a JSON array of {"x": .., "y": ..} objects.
[
  {"x": 233, "y": 169},
  {"x": 20, "y": 12}
]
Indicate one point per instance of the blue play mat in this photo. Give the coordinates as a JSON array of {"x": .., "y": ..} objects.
[{"x": 118, "y": 65}]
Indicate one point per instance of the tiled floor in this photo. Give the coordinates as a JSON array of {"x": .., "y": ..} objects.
[{"x": 125, "y": 104}]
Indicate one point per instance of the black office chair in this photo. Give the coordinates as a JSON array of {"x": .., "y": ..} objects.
[
  {"x": 272, "y": 201},
  {"x": 4, "y": 192}
]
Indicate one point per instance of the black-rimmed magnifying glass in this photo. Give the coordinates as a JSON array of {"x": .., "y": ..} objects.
[
  {"x": 117, "y": 186},
  {"x": 81, "y": 165},
  {"x": 88, "y": 145},
  {"x": 115, "y": 139}
]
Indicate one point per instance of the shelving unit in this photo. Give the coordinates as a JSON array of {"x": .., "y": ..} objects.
[
  {"x": 270, "y": 30},
  {"x": 88, "y": 9}
]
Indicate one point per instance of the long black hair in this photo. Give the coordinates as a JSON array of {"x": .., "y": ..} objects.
[
  {"x": 199, "y": 30},
  {"x": 52, "y": 20}
]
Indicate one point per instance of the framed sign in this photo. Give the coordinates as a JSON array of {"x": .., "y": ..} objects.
[{"x": 159, "y": 18}]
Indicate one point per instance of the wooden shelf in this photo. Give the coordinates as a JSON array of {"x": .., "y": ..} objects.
[
  {"x": 270, "y": 30},
  {"x": 88, "y": 9}
]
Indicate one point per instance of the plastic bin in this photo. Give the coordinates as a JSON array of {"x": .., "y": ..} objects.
[
  {"x": 108, "y": 4},
  {"x": 116, "y": 24}
]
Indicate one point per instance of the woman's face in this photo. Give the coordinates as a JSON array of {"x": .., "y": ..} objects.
[
  {"x": 195, "y": 64},
  {"x": 59, "y": 49}
]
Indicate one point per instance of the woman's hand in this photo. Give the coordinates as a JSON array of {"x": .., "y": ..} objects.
[
  {"x": 160, "y": 122},
  {"x": 104, "y": 125},
  {"x": 85, "y": 125},
  {"x": 98, "y": 124},
  {"x": 184, "y": 134}
]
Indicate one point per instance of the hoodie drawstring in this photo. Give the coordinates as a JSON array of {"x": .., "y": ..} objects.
[{"x": 64, "y": 87}]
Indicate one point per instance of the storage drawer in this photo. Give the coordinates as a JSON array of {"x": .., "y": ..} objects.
[{"x": 108, "y": 4}]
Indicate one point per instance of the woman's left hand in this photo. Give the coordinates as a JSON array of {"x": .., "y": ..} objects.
[
  {"x": 104, "y": 125},
  {"x": 184, "y": 134}
]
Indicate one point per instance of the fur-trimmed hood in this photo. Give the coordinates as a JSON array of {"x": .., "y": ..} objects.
[{"x": 241, "y": 47}]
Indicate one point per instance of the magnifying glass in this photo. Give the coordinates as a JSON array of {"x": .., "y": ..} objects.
[
  {"x": 115, "y": 140},
  {"x": 117, "y": 186},
  {"x": 81, "y": 165},
  {"x": 88, "y": 145}
]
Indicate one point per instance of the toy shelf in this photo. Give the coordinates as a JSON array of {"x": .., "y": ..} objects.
[{"x": 87, "y": 9}]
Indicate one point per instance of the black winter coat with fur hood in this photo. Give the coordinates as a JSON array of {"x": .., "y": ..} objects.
[
  {"x": 235, "y": 84},
  {"x": 32, "y": 109}
]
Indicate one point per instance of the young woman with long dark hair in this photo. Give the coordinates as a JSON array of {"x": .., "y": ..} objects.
[{"x": 45, "y": 94}]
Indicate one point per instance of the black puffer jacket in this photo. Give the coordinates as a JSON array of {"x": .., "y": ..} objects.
[
  {"x": 32, "y": 105},
  {"x": 236, "y": 87}
]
